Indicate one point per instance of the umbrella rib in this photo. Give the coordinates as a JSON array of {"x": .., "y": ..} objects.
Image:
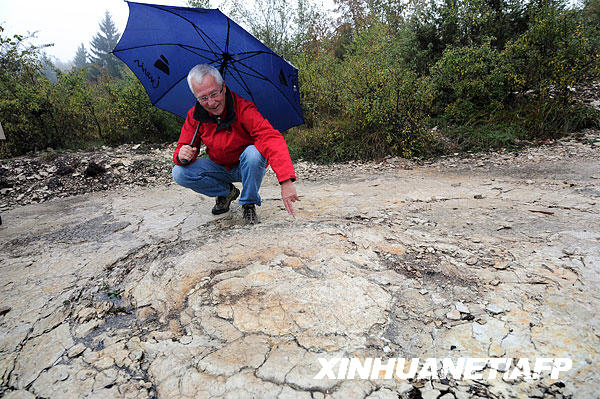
[
  {"x": 241, "y": 81},
  {"x": 189, "y": 48},
  {"x": 200, "y": 32},
  {"x": 169, "y": 89},
  {"x": 243, "y": 84},
  {"x": 260, "y": 76},
  {"x": 162, "y": 44},
  {"x": 227, "y": 40},
  {"x": 263, "y": 77}
]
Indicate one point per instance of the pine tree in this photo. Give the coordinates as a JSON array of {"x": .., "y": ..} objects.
[
  {"x": 81, "y": 57},
  {"x": 103, "y": 43},
  {"x": 198, "y": 3}
]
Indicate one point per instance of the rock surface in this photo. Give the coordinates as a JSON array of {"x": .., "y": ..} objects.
[{"x": 137, "y": 291}]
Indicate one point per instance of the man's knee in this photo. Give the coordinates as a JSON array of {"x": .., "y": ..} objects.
[
  {"x": 178, "y": 174},
  {"x": 252, "y": 157}
]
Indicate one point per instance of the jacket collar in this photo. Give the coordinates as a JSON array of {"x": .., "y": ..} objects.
[{"x": 203, "y": 116}]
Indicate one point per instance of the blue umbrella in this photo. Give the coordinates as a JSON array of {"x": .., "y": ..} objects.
[{"x": 162, "y": 43}]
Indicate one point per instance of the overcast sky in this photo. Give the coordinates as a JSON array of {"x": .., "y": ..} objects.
[{"x": 66, "y": 23}]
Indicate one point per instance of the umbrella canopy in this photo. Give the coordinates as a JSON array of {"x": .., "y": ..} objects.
[{"x": 162, "y": 43}]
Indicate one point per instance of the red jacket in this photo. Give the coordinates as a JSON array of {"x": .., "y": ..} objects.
[{"x": 226, "y": 139}]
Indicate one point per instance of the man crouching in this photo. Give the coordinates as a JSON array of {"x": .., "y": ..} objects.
[{"x": 240, "y": 144}]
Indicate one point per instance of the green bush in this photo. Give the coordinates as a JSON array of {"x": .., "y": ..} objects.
[
  {"x": 25, "y": 108},
  {"x": 75, "y": 107},
  {"x": 523, "y": 92},
  {"x": 320, "y": 86},
  {"x": 555, "y": 53},
  {"x": 470, "y": 83},
  {"x": 73, "y": 112},
  {"x": 376, "y": 105},
  {"x": 126, "y": 114}
]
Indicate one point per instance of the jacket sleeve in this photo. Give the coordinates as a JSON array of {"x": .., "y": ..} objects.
[
  {"x": 187, "y": 133},
  {"x": 268, "y": 141}
]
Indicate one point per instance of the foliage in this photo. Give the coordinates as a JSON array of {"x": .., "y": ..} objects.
[
  {"x": 523, "y": 91},
  {"x": 73, "y": 111},
  {"x": 126, "y": 114},
  {"x": 285, "y": 27},
  {"x": 553, "y": 55},
  {"x": 470, "y": 83},
  {"x": 24, "y": 96},
  {"x": 591, "y": 13},
  {"x": 380, "y": 105},
  {"x": 386, "y": 103},
  {"x": 320, "y": 86},
  {"x": 458, "y": 23},
  {"x": 198, "y": 3}
]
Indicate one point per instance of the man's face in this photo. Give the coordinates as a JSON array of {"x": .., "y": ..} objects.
[{"x": 210, "y": 95}]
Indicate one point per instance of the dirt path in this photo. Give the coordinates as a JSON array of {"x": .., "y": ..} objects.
[{"x": 140, "y": 292}]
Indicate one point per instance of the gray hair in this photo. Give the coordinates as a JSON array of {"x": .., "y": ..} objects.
[{"x": 198, "y": 73}]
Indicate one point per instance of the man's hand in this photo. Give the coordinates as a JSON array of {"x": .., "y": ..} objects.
[
  {"x": 288, "y": 195},
  {"x": 186, "y": 153}
]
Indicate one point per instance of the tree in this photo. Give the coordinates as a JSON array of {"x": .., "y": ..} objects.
[
  {"x": 591, "y": 12},
  {"x": 81, "y": 57},
  {"x": 101, "y": 46},
  {"x": 270, "y": 21},
  {"x": 198, "y": 3},
  {"x": 25, "y": 109}
]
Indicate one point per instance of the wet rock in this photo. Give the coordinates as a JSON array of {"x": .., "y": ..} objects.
[
  {"x": 383, "y": 393},
  {"x": 280, "y": 361},
  {"x": 105, "y": 379},
  {"x": 64, "y": 170},
  {"x": 494, "y": 309},
  {"x": 186, "y": 340},
  {"x": 361, "y": 271},
  {"x": 85, "y": 329},
  {"x": 472, "y": 261}
]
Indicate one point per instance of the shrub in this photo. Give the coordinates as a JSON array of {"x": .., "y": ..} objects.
[
  {"x": 126, "y": 114},
  {"x": 386, "y": 104},
  {"x": 470, "y": 83},
  {"x": 554, "y": 54},
  {"x": 320, "y": 86}
]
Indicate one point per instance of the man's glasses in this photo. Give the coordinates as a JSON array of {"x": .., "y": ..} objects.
[{"x": 214, "y": 94}]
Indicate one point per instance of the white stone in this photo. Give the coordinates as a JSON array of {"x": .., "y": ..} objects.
[
  {"x": 76, "y": 350},
  {"x": 430, "y": 393},
  {"x": 462, "y": 308},
  {"x": 19, "y": 394},
  {"x": 453, "y": 315}
]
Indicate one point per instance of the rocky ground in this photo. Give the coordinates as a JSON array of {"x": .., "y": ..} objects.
[{"x": 116, "y": 283}]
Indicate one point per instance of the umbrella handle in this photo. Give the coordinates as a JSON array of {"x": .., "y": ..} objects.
[{"x": 186, "y": 161}]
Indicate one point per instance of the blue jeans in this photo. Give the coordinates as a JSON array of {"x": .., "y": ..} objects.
[{"x": 211, "y": 179}]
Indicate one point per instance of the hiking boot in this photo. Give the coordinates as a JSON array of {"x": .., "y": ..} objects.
[
  {"x": 250, "y": 214},
  {"x": 222, "y": 203}
]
